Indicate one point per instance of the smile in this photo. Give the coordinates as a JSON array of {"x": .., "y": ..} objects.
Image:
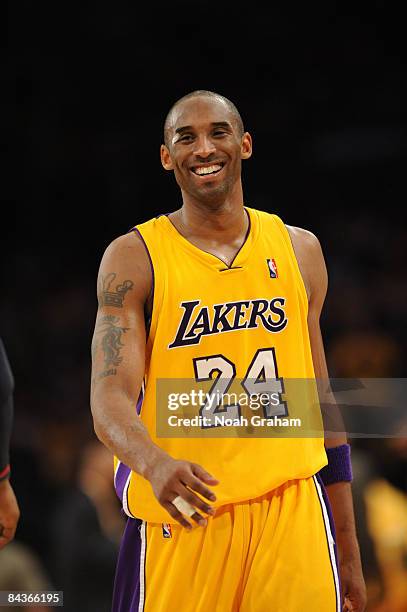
[{"x": 205, "y": 170}]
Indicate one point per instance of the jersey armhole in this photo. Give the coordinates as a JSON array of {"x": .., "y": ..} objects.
[
  {"x": 136, "y": 231},
  {"x": 158, "y": 277},
  {"x": 288, "y": 241}
]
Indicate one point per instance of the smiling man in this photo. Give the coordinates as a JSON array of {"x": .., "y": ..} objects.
[{"x": 217, "y": 291}]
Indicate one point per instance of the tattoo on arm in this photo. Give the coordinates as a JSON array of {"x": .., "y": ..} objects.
[
  {"x": 111, "y": 343},
  {"x": 110, "y": 296},
  {"x": 94, "y": 348}
]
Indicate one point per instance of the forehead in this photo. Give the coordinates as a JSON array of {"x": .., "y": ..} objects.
[{"x": 200, "y": 111}]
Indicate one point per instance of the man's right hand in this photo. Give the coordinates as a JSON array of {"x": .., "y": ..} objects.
[{"x": 171, "y": 478}]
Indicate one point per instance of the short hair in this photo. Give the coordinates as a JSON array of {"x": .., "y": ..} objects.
[{"x": 204, "y": 93}]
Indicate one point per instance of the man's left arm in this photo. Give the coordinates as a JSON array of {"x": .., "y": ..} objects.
[{"x": 313, "y": 269}]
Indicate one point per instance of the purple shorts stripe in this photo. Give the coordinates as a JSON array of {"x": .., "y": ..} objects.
[
  {"x": 328, "y": 507},
  {"x": 126, "y": 590},
  {"x": 332, "y": 527}
]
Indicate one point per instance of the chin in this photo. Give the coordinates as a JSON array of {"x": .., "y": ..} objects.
[{"x": 212, "y": 196}]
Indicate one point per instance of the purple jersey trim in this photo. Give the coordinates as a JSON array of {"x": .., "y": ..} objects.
[
  {"x": 231, "y": 266},
  {"x": 140, "y": 402},
  {"x": 123, "y": 471},
  {"x": 249, "y": 227},
  {"x": 126, "y": 590},
  {"x": 148, "y": 319}
]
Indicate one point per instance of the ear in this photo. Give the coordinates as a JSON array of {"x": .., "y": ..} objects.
[
  {"x": 246, "y": 146},
  {"x": 166, "y": 158}
]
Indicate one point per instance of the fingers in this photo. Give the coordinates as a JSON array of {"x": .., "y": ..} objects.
[
  {"x": 196, "y": 485},
  {"x": 203, "y": 475},
  {"x": 189, "y": 496},
  {"x": 193, "y": 483},
  {"x": 202, "y": 522},
  {"x": 176, "y": 514},
  {"x": 187, "y": 507},
  {"x": 180, "y": 489},
  {"x": 179, "y": 517},
  {"x": 183, "y": 506}
]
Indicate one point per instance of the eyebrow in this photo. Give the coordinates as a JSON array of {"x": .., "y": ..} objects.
[{"x": 214, "y": 124}]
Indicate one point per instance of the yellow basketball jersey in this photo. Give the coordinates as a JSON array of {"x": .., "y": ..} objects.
[{"x": 210, "y": 322}]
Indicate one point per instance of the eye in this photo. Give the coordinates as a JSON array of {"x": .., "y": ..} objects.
[
  {"x": 219, "y": 132},
  {"x": 185, "y": 138}
]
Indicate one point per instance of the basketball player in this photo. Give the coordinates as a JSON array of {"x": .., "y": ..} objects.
[
  {"x": 218, "y": 523},
  {"x": 9, "y": 511}
]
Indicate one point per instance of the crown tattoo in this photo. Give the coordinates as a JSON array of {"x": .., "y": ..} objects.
[{"x": 113, "y": 297}]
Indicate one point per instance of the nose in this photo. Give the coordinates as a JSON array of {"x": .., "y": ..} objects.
[{"x": 204, "y": 147}]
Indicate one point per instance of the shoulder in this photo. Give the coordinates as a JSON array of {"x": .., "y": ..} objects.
[
  {"x": 303, "y": 238},
  {"x": 126, "y": 259},
  {"x": 126, "y": 248},
  {"x": 307, "y": 246}
]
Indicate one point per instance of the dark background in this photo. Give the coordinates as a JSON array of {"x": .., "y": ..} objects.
[{"x": 323, "y": 93}]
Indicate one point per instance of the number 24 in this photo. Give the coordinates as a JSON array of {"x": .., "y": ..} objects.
[{"x": 261, "y": 378}]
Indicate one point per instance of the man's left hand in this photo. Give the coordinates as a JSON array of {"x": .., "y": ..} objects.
[{"x": 352, "y": 585}]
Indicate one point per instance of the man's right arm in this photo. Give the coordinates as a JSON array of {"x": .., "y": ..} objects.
[
  {"x": 118, "y": 352},
  {"x": 118, "y": 365}
]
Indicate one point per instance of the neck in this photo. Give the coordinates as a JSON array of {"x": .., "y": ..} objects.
[{"x": 226, "y": 217}]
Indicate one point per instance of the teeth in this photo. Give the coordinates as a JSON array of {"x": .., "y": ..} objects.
[{"x": 208, "y": 170}]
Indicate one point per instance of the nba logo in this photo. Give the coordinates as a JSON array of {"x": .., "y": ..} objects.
[
  {"x": 272, "y": 268},
  {"x": 167, "y": 530}
]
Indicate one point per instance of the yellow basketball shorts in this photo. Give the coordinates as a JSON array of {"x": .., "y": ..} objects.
[{"x": 273, "y": 553}]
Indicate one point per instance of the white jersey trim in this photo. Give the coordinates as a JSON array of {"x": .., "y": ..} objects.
[{"x": 142, "y": 528}]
